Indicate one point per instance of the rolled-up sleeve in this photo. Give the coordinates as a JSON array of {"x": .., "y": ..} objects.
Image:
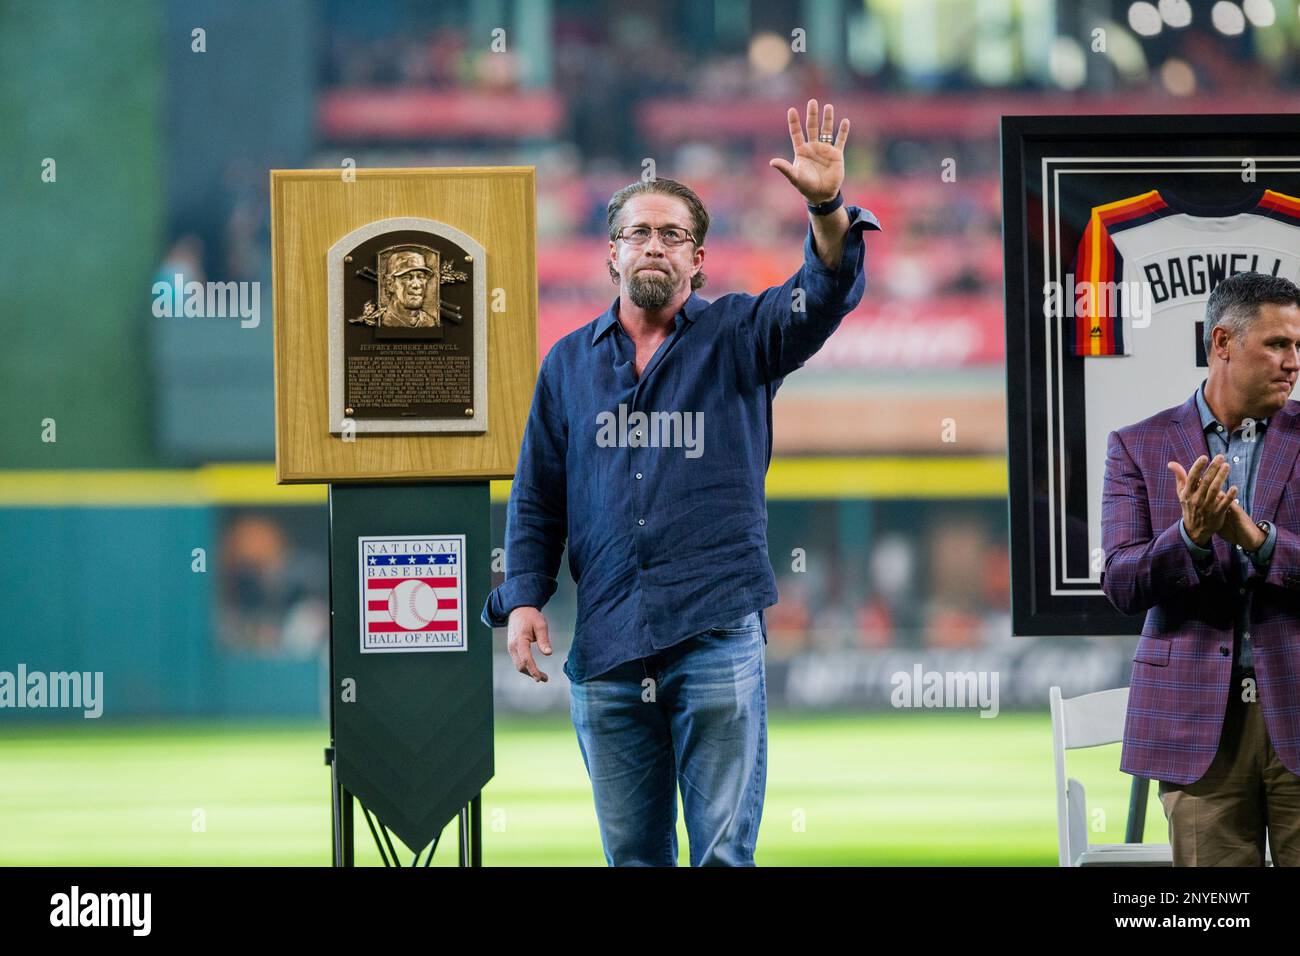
[
  {"x": 537, "y": 512},
  {"x": 793, "y": 320}
]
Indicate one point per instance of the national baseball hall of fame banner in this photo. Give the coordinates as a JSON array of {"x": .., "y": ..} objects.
[
  {"x": 1116, "y": 231},
  {"x": 413, "y": 593}
]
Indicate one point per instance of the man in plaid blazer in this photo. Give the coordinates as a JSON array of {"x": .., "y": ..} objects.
[{"x": 1201, "y": 530}]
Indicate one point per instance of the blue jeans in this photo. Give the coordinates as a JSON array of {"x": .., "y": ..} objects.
[{"x": 693, "y": 715}]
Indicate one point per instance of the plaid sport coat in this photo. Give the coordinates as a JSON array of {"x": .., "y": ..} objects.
[{"x": 1182, "y": 667}]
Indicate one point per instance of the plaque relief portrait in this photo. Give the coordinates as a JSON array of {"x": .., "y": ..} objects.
[{"x": 410, "y": 281}]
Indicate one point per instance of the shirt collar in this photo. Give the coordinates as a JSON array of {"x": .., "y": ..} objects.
[
  {"x": 691, "y": 310},
  {"x": 1208, "y": 420}
]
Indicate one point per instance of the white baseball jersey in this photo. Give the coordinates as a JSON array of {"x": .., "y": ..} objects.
[{"x": 1174, "y": 253}]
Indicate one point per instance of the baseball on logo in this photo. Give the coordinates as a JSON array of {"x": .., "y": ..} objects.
[{"x": 413, "y": 605}]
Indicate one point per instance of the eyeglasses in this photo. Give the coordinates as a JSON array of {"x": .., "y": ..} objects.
[{"x": 671, "y": 236}]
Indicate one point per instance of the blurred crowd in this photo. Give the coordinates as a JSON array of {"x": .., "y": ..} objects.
[{"x": 620, "y": 72}]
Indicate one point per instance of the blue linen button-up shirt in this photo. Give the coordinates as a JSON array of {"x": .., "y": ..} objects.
[
  {"x": 657, "y": 482},
  {"x": 1241, "y": 454}
]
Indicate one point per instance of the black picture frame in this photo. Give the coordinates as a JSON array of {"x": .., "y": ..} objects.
[{"x": 1042, "y": 220}]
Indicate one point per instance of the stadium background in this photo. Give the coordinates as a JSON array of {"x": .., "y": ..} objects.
[{"x": 888, "y": 482}]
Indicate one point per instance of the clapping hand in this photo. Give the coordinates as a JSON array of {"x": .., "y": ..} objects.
[{"x": 1206, "y": 507}]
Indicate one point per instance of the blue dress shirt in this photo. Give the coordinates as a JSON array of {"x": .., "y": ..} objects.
[
  {"x": 657, "y": 482},
  {"x": 1241, "y": 454}
]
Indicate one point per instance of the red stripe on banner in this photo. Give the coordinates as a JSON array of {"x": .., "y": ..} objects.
[
  {"x": 444, "y": 604},
  {"x": 386, "y": 627},
  {"x": 394, "y": 582}
]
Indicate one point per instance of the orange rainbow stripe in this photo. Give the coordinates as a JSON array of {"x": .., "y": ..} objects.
[
  {"x": 1098, "y": 264},
  {"x": 1281, "y": 204}
]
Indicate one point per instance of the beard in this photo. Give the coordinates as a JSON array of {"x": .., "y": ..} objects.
[{"x": 650, "y": 290}]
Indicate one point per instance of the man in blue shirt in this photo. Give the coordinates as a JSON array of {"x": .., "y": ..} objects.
[{"x": 646, "y": 449}]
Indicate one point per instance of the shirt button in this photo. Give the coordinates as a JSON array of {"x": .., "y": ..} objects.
[
  {"x": 638, "y": 476},
  {"x": 1241, "y": 590},
  {"x": 1220, "y": 428},
  {"x": 1236, "y": 458},
  {"x": 640, "y": 521}
]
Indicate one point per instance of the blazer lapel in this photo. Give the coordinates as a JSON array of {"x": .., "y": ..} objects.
[
  {"x": 1189, "y": 436},
  {"x": 1277, "y": 456}
]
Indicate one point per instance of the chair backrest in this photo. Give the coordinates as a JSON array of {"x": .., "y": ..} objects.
[{"x": 1090, "y": 720}]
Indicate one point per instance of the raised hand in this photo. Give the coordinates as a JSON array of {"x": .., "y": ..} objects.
[{"x": 818, "y": 167}]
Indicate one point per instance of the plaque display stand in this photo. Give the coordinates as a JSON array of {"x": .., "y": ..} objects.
[
  {"x": 414, "y": 744},
  {"x": 405, "y": 330}
]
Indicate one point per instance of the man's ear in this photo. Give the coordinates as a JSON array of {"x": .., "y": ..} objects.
[{"x": 610, "y": 264}]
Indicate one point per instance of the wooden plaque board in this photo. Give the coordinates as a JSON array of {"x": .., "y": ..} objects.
[{"x": 310, "y": 210}]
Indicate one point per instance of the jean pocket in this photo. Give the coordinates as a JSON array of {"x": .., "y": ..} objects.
[{"x": 739, "y": 626}]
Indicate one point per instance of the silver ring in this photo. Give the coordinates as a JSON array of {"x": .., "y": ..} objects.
[{"x": 826, "y": 138}]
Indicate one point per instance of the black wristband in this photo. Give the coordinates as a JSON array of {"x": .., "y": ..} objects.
[{"x": 828, "y": 207}]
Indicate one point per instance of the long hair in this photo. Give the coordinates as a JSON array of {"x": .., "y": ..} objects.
[{"x": 668, "y": 187}]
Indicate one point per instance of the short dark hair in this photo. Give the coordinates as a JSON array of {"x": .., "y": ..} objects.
[
  {"x": 667, "y": 187},
  {"x": 1235, "y": 302}
]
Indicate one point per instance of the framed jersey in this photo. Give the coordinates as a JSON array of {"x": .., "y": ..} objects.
[{"x": 1116, "y": 229}]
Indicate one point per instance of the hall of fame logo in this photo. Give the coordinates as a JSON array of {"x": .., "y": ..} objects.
[{"x": 412, "y": 593}]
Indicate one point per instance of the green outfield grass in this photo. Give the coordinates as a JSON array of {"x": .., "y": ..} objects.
[{"x": 914, "y": 788}]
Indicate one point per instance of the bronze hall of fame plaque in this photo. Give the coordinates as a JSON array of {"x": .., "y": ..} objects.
[{"x": 408, "y": 329}]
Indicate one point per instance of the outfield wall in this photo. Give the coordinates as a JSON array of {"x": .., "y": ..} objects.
[
  {"x": 203, "y": 592},
  {"x": 113, "y": 590}
]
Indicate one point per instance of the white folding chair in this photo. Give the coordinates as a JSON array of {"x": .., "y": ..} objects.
[{"x": 1091, "y": 720}]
